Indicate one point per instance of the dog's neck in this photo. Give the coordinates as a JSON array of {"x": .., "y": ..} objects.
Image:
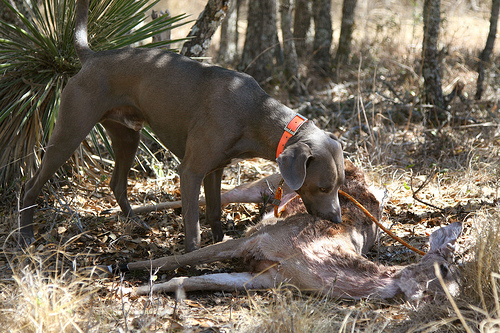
[
  {"x": 266, "y": 129},
  {"x": 275, "y": 124}
]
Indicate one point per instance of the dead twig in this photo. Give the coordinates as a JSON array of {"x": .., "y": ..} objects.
[{"x": 427, "y": 180}]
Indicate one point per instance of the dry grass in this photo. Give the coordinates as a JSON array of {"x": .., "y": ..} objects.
[
  {"x": 435, "y": 175},
  {"x": 286, "y": 310},
  {"x": 43, "y": 298},
  {"x": 480, "y": 274}
]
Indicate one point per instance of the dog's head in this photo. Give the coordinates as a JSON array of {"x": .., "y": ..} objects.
[{"x": 314, "y": 168}]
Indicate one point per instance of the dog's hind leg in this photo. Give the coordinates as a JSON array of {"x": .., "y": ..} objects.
[
  {"x": 125, "y": 142},
  {"x": 73, "y": 124},
  {"x": 212, "y": 184}
]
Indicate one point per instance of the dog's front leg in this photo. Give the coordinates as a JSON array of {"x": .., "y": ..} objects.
[
  {"x": 212, "y": 184},
  {"x": 190, "y": 195}
]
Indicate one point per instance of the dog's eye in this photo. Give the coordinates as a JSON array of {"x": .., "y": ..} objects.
[{"x": 324, "y": 189}]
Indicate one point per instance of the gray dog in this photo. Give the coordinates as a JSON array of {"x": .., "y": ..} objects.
[{"x": 206, "y": 115}]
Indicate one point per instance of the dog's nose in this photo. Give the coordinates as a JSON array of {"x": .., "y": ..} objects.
[
  {"x": 334, "y": 217},
  {"x": 337, "y": 218}
]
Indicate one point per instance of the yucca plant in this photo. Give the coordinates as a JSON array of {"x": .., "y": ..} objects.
[{"x": 36, "y": 60}]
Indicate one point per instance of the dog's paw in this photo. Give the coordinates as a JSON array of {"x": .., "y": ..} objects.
[
  {"x": 140, "y": 223},
  {"x": 138, "y": 227}
]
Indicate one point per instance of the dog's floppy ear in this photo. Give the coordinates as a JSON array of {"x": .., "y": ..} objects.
[
  {"x": 334, "y": 137},
  {"x": 292, "y": 163}
]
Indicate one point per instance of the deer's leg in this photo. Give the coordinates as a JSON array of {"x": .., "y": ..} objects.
[
  {"x": 213, "y": 282},
  {"x": 220, "y": 251},
  {"x": 254, "y": 191}
]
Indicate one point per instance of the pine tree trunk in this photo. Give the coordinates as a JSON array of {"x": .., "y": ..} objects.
[
  {"x": 165, "y": 35},
  {"x": 301, "y": 26},
  {"x": 290, "y": 55},
  {"x": 228, "y": 48},
  {"x": 261, "y": 40},
  {"x": 204, "y": 28},
  {"x": 7, "y": 15},
  {"x": 433, "y": 92},
  {"x": 484, "y": 57},
  {"x": 322, "y": 35},
  {"x": 22, "y": 6},
  {"x": 345, "y": 39}
]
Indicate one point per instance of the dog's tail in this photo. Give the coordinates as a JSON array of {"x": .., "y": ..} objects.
[{"x": 82, "y": 48}]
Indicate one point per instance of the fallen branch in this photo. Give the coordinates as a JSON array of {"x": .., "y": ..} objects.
[{"x": 426, "y": 181}]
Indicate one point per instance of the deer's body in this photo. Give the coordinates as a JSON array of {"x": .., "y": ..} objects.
[{"x": 315, "y": 254}]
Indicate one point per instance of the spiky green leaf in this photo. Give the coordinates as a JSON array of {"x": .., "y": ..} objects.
[{"x": 37, "y": 58}]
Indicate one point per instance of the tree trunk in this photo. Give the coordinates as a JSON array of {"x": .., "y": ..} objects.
[
  {"x": 228, "y": 48},
  {"x": 484, "y": 57},
  {"x": 7, "y": 15},
  {"x": 204, "y": 28},
  {"x": 22, "y": 6},
  {"x": 345, "y": 39},
  {"x": 322, "y": 35},
  {"x": 433, "y": 92},
  {"x": 165, "y": 35},
  {"x": 290, "y": 55},
  {"x": 301, "y": 26},
  {"x": 261, "y": 40}
]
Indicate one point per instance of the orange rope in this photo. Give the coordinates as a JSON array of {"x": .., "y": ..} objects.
[
  {"x": 277, "y": 200},
  {"x": 379, "y": 224}
]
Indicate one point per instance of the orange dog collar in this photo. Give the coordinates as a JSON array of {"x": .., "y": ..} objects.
[{"x": 290, "y": 130}]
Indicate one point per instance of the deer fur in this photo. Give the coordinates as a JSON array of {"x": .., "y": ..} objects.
[{"x": 314, "y": 254}]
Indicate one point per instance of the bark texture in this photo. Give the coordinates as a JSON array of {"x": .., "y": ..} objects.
[
  {"x": 322, "y": 35},
  {"x": 290, "y": 54},
  {"x": 261, "y": 40},
  {"x": 228, "y": 48},
  {"x": 202, "y": 31},
  {"x": 301, "y": 26},
  {"x": 165, "y": 35},
  {"x": 21, "y": 5},
  {"x": 433, "y": 92},
  {"x": 484, "y": 57},
  {"x": 346, "y": 29}
]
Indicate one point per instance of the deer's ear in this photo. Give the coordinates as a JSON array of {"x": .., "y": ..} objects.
[
  {"x": 292, "y": 163},
  {"x": 444, "y": 238}
]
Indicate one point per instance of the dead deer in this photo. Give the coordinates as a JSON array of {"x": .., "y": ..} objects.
[{"x": 314, "y": 254}]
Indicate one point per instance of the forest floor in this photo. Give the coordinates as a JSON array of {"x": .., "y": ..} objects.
[{"x": 435, "y": 174}]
